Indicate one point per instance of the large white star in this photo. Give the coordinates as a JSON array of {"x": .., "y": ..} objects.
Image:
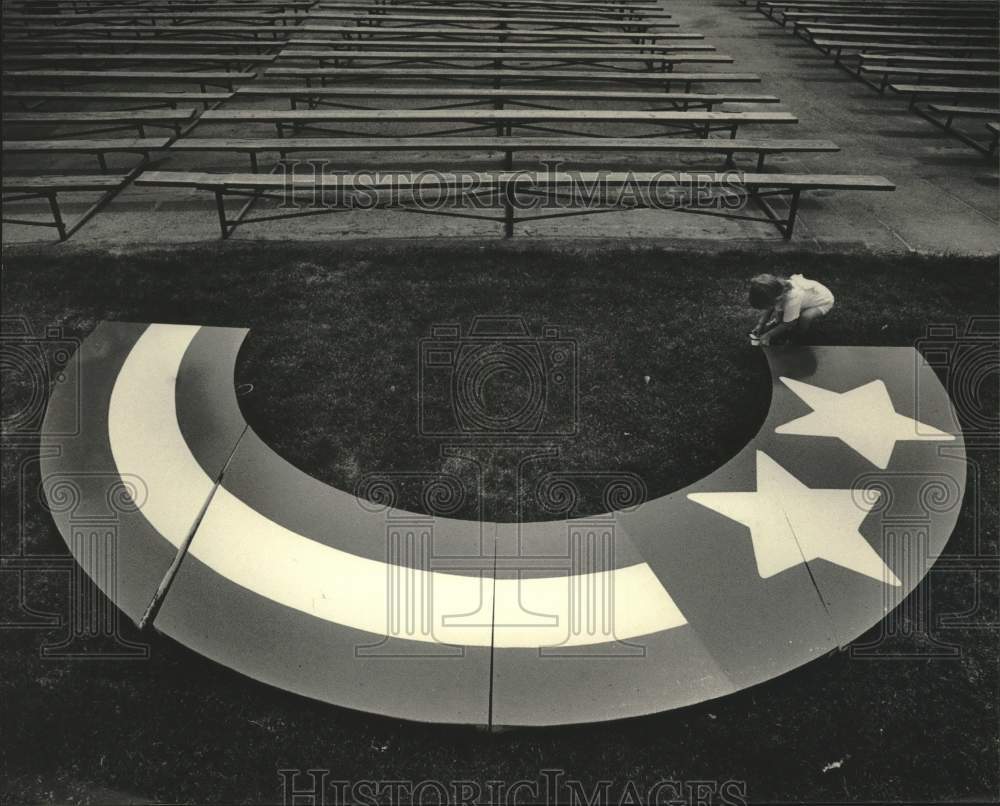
[
  {"x": 863, "y": 418},
  {"x": 792, "y": 524}
]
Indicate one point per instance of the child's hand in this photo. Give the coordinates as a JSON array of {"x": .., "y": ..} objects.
[{"x": 765, "y": 340}]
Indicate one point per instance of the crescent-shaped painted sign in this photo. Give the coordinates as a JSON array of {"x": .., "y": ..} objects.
[{"x": 796, "y": 546}]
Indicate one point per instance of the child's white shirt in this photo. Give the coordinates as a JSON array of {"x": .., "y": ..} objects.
[{"x": 803, "y": 294}]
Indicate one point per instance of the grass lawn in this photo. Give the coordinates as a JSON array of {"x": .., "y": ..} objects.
[{"x": 667, "y": 390}]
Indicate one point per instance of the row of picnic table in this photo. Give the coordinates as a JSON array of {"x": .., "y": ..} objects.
[
  {"x": 942, "y": 55},
  {"x": 164, "y": 80}
]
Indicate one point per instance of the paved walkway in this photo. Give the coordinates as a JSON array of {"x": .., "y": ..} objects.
[{"x": 946, "y": 199}]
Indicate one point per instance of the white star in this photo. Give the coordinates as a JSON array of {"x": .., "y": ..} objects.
[
  {"x": 863, "y": 418},
  {"x": 792, "y": 524}
]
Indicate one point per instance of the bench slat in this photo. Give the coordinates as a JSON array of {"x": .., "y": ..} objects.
[
  {"x": 727, "y": 179},
  {"x": 184, "y": 58},
  {"x": 279, "y": 32},
  {"x": 514, "y": 5},
  {"x": 110, "y": 16},
  {"x": 486, "y": 116},
  {"x": 123, "y": 144},
  {"x": 121, "y": 116},
  {"x": 126, "y": 75},
  {"x": 931, "y": 16},
  {"x": 902, "y": 47},
  {"x": 374, "y": 33},
  {"x": 512, "y": 47},
  {"x": 486, "y": 73},
  {"x": 939, "y": 89},
  {"x": 139, "y": 14},
  {"x": 492, "y": 56},
  {"x": 487, "y": 17},
  {"x": 82, "y": 183},
  {"x": 712, "y": 145},
  {"x": 487, "y": 93},
  {"x": 870, "y": 58},
  {"x": 966, "y": 111},
  {"x": 115, "y": 95},
  {"x": 469, "y": 21},
  {"x": 931, "y": 73},
  {"x": 868, "y": 4},
  {"x": 474, "y": 10},
  {"x": 882, "y": 35}
]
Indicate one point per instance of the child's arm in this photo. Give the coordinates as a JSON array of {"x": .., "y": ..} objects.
[
  {"x": 777, "y": 330},
  {"x": 765, "y": 317},
  {"x": 788, "y": 316}
]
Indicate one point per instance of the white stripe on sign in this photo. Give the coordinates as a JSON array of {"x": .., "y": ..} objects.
[{"x": 251, "y": 550}]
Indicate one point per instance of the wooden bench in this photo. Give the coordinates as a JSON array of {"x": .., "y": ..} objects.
[
  {"x": 837, "y": 47},
  {"x": 919, "y": 92},
  {"x": 886, "y": 72},
  {"x": 898, "y": 60},
  {"x": 230, "y": 60},
  {"x": 154, "y": 33},
  {"x": 234, "y": 63},
  {"x": 203, "y": 79},
  {"x": 763, "y": 5},
  {"x": 255, "y": 45},
  {"x": 97, "y": 148},
  {"x": 508, "y": 146},
  {"x": 107, "y": 121},
  {"x": 895, "y": 34},
  {"x": 350, "y": 97},
  {"x": 74, "y": 6},
  {"x": 279, "y": 33},
  {"x": 31, "y": 188},
  {"x": 917, "y": 17},
  {"x": 485, "y": 17},
  {"x": 497, "y": 59},
  {"x": 966, "y": 111},
  {"x": 770, "y": 8},
  {"x": 463, "y": 21},
  {"x": 508, "y": 4},
  {"x": 994, "y": 132},
  {"x": 871, "y": 4},
  {"x": 925, "y": 17},
  {"x": 456, "y": 45},
  {"x": 497, "y": 78},
  {"x": 355, "y": 33},
  {"x": 140, "y": 43},
  {"x": 148, "y": 99},
  {"x": 501, "y": 121},
  {"x": 502, "y": 5},
  {"x": 623, "y": 12},
  {"x": 532, "y": 16},
  {"x": 950, "y": 112},
  {"x": 568, "y": 193},
  {"x": 151, "y": 17}
]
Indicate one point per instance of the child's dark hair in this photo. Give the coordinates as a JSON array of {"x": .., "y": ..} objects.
[{"x": 765, "y": 290}]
